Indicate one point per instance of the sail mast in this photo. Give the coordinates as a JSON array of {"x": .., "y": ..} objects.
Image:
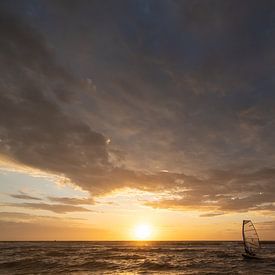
[{"x": 243, "y": 235}]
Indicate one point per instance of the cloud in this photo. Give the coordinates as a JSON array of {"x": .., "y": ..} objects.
[
  {"x": 25, "y": 217},
  {"x": 225, "y": 191},
  {"x": 208, "y": 215},
  {"x": 72, "y": 201},
  {"x": 176, "y": 97},
  {"x": 24, "y": 196},
  {"x": 194, "y": 99},
  {"x": 14, "y": 215},
  {"x": 56, "y": 208},
  {"x": 36, "y": 129}
]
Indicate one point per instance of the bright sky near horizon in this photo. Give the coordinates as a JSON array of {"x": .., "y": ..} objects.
[{"x": 136, "y": 119}]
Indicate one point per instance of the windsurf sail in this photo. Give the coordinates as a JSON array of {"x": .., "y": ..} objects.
[{"x": 250, "y": 238}]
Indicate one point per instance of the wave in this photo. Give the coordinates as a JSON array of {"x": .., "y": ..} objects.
[
  {"x": 30, "y": 263},
  {"x": 95, "y": 266},
  {"x": 156, "y": 266}
]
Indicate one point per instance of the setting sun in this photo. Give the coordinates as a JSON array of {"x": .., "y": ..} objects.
[{"x": 143, "y": 232}]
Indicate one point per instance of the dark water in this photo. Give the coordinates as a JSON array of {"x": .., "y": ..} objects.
[{"x": 132, "y": 258}]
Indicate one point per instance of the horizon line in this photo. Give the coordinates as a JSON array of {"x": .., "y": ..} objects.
[{"x": 138, "y": 241}]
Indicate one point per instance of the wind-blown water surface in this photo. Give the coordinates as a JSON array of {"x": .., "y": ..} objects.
[{"x": 132, "y": 258}]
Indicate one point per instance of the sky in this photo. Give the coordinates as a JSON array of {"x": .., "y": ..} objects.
[{"x": 116, "y": 114}]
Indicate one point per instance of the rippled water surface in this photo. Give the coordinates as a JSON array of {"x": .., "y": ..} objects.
[{"x": 132, "y": 258}]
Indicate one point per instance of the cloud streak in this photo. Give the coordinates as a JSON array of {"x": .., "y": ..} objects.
[
  {"x": 24, "y": 196},
  {"x": 72, "y": 201},
  {"x": 56, "y": 208}
]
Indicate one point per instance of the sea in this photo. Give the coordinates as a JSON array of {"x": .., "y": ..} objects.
[{"x": 125, "y": 257}]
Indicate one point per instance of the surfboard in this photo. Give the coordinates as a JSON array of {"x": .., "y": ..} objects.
[{"x": 247, "y": 256}]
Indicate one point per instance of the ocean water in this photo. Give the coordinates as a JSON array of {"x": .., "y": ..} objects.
[{"x": 132, "y": 258}]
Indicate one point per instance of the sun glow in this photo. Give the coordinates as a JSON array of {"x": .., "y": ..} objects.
[{"x": 143, "y": 231}]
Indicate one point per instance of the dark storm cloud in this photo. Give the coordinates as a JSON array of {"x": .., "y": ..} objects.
[
  {"x": 35, "y": 127},
  {"x": 56, "y": 208},
  {"x": 187, "y": 84},
  {"x": 183, "y": 86}
]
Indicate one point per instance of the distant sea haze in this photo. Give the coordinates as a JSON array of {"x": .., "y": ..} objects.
[{"x": 123, "y": 257}]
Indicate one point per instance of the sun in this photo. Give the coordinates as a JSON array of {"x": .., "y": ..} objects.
[{"x": 143, "y": 231}]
